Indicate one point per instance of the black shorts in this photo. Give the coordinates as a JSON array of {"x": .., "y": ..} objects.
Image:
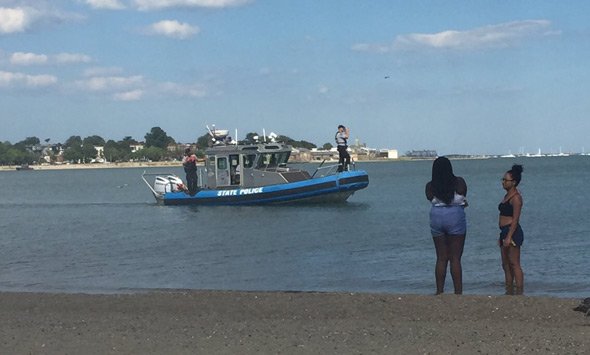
[{"x": 517, "y": 237}]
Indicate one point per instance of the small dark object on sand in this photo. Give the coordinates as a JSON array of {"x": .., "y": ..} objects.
[{"x": 584, "y": 306}]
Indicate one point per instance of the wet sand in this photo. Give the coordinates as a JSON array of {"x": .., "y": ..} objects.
[{"x": 216, "y": 322}]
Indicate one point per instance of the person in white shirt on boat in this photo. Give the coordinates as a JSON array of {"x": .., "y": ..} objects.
[{"x": 342, "y": 146}]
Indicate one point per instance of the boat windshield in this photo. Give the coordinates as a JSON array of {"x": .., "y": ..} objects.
[
  {"x": 249, "y": 160},
  {"x": 272, "y": 160}
]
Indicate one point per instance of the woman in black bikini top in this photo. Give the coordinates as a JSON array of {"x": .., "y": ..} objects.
[
  {"x": 506, "y": 209},
  {"x": 511, "y": 235}
]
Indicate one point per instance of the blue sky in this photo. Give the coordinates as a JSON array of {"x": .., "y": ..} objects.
[{"x": 454, "y": 76}]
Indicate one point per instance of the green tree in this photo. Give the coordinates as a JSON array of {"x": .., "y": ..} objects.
[
  {"x": 203, "y": 142},
  {"x": 117, "y": 151},
  {"x": 88, "y": 153},
  {"x": 73, "y": 141},
  {"x": 73, "y": 150},
  {"x": 88, "y": 147},
  {"x": 294, "y": 143},
  {"x": 74, "y": 154},
  {"x": 327, "y": 146},
  {"x": 23, "y": 152},
  {"x": 127, "y": 140},
  {"x": 304, "y": 144},
  {"x": 30, "y": 141},
  {"x": 250, "y": 137},
  {"x": 157, "y": 137},
  {"x": 150, "y": 153},
  {"x": 96, "y": 141},
  {"x": 12, "y": 155}
]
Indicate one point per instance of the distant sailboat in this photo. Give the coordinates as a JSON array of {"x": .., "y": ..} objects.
[
  {"x": 562, "y": 154},
  {"x": 538, "y": 155},
  {"x": 509, "y": 155}
]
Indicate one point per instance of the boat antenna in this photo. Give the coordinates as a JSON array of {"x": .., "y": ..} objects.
[
  {"x": 236, "y": 137},
  {"x": 264, "y": 135}
]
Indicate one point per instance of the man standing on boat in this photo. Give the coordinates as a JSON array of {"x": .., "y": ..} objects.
[
  {"x": 189, "y": 162},
  {"x": 342, "y": 146}
]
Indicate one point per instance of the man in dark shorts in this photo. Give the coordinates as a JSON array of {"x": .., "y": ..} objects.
[{"x": 189, "y": 162}]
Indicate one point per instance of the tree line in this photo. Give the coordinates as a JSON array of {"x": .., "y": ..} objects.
[{"x": 83, "y": 150}]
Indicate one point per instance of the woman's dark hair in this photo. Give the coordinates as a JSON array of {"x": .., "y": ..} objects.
[
  {"x": 516, "y": 173},
  {"x": 443, "y": 180}
]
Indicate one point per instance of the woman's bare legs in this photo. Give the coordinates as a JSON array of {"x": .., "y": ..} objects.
[
  {"x": 514, "y": 257},
  {"x": 513, "y": 275},
  {"x": 456, "y": 243},
  {"x": 449, "y": 249},
  {"x": 508, "y": 276},
  {"x": 442, "y": 259}
]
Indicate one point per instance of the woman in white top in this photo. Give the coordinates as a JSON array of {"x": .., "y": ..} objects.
[{"x": 448, "y": 226}]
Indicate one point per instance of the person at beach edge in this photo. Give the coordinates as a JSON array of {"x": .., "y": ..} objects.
[
  {"x": 189, "y": 162},
  {"x": 342, "y": 146},
  {"x": 511, "y": 234},
  {"x": 447, "y": 195}
]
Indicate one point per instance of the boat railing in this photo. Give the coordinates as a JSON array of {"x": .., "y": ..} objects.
[
  {"x": 331, "y": 169},
  {"x": 327, "y": 170}
]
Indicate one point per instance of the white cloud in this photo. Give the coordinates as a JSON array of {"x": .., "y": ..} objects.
[
  {"x": 133, "y": 95},
  {"x": 102, "y": 71},
  {"x": 40, "y": 80},
  {"x": 494, "y": 36},
  {"x": 14, "y": 80},
  {"x": 163, "y": 4},
  {"x": 17, "y": 19},
  {"x": 486, "y": 37},
  {"x": 110, "y": 83},
  {"x": 134, "y": 88},
  {"x": 173, "y": 29},
  {"x": 106, "y": 4},
  {"x": 20, "y": 58},
  {"x": 23, "y": 18},
  {"x": 373, "y": 48},
  {"x": 183, "y": 90},
  {"x": 68, "y": 58}
]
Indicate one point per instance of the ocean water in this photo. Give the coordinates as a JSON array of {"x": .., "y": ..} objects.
[{"x": 100, "y": 231}]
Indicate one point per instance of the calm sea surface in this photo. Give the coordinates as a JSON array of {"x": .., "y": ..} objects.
[{"x": 100, "y": 231}]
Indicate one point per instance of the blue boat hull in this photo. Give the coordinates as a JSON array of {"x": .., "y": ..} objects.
[{"x": 333, "y": 188}]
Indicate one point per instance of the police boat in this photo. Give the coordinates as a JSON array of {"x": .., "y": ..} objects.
[{"x": 254, "y": 174}]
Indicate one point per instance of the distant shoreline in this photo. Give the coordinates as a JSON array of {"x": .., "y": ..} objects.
[
  {"x": 97, "y": 166},
  {"x": 165, "y": 164}
]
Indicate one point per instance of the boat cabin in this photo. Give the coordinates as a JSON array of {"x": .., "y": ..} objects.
[{"x": 254, "y": 165}]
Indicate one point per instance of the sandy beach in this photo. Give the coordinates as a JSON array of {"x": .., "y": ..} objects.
[{"x": 217, "y": 322}]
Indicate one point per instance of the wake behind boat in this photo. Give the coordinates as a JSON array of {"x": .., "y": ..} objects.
[{"x": 251, "y": 174}]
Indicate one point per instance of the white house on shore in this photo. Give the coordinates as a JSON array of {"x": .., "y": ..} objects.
[{"x": 392, "y": 154}]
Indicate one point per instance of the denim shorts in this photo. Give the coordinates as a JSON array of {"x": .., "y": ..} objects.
[
  {"x": 447, "y": 220},
  {"x": 517, "y": 237}
]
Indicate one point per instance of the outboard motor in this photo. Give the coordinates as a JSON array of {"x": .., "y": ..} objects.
[
  {"x": 170, "y": 183},
  {"x": 175, "y": 182},
  {"x": 162, "y": 185}
]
